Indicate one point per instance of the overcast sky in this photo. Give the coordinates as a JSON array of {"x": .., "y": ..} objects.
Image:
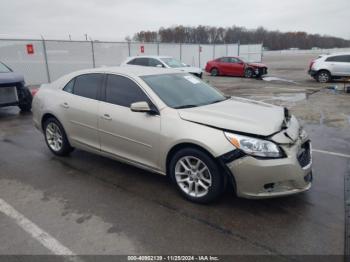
[{"x": 115, "y": 19}]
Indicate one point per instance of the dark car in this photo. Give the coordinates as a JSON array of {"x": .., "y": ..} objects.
[
  {"x": 13, "y": 91},
  {"x": 235, "y": 66}
]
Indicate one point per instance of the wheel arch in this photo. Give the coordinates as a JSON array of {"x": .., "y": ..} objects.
[
  {"x": 45, "y": 117},
  {"x": 324, "y": 69},
  {"x": 228, "y": 177},
  {"x": 215, "y": 67}
]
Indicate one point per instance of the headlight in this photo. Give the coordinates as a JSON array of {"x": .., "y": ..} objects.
[{"x": 254, "y": 146}]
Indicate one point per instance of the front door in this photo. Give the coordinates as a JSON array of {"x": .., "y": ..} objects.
[{"x": 130, "y": 135}]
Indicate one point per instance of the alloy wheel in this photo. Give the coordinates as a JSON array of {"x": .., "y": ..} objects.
[
  {"x": 54, "y": 137},
  {"x": 193, "y": 176},
  {"x": 323, "y": 77}
]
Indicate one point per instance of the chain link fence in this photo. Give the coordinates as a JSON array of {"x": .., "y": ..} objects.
[{"x": 42, "y": 61}]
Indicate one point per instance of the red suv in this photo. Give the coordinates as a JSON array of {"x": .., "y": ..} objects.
[{"x": 234, "y": 66}]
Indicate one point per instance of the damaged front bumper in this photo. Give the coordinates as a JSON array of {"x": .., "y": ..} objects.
[{"x": 256, "y": 177}]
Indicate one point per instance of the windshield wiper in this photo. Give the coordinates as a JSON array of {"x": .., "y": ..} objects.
[{"x": 185, "y": 106}]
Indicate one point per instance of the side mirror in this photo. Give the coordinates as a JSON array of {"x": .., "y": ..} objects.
[
  {"x": 160, "y": 66},
  {"x": 143, "y": 107},
  {"x": 140, "y": 107}
]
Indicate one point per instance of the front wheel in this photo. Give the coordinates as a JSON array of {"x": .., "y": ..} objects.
[
  {"x": 196, "y": 175},
  {"x": 56, "y": 138},
  {"x": 248, "y": 73}
]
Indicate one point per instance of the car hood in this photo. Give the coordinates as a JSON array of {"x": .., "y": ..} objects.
[
  {"x": 256, "y": 64},
  {"x": 238, "y": 114},
  {"x": 7, "y": 78},
  {"x": 190, "y": 69}
]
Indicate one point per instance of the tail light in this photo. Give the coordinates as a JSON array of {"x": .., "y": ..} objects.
[
  {"x": 34, "y": 91},
  {"x": 311, "y": 64}
]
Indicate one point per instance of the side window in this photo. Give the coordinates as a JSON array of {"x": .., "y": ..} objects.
[
  {"x": 234, "y": 60},
  {"x": 139, "y": 61},
  {"x": 347, "y": 58},
  {"x": 330, "y": 59},
  {"x": 154, "y": 62},
  {"x": 339, "y": 58},
  {"x": 69, "y": 87},
  {"x": 122, "y": 91},
  {"x": 225, "y": 60},
  {"x": 88, "y": 85}
]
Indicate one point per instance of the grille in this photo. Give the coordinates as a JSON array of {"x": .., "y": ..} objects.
[{"x": 304, "y": 155}]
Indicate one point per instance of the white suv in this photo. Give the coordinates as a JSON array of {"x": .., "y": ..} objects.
[
  {"x": 163, "y": 61},
  {"x": 328, "y": 67}
]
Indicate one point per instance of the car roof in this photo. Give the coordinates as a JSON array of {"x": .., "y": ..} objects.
[
  {"x": 336, "y": 54},
  {"x": 150, "y": 56},
  {"x": 131, "y": 70}
]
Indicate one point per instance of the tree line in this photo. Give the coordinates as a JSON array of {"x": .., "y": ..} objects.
[{"x": 273, "y": 40}]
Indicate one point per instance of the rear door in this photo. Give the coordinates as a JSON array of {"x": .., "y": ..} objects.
[
  {"x": 130, "y": 135},
  {"x": 340, "y": 65},
  {"x": 80, "y": 108},
  {"x": 224, "y": 65}
]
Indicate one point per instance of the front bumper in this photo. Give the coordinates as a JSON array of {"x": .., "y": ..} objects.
[
  {"x": 260, "y": 71},
  {"x": 266, "y": 178}
]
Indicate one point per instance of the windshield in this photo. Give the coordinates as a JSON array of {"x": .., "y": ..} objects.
[
  {"x": 172, "y": 62},
  {"x": 183, "y": 90},
  {"x": 4, "y": 69}
]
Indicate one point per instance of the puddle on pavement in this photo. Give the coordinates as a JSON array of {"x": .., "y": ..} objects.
[
  {"x": 281, "y": 99},
  {"x": 278, "y": 79}
]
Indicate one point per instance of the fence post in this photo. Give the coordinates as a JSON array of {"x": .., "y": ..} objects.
[
  {"x": 157, "y": 48},
  {"x": 213, "y": 51},
  {"x": 93, "y": 54},
  {"x": 238, "y": 47},
  {"x": 226, "y": 49},
  {"x": 46, "y": 62},
  {"x": 199, "y": 55},
  {"x": 180, "y": 51},
  {"x": 129, "y": 48}
]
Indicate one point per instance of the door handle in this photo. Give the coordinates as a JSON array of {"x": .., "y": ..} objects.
[
  {"x": 65, "y": 105},
  {"x": 107, "y": 117}
]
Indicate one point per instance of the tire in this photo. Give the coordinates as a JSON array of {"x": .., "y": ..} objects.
[
  {"x": 25, "y": 103},
  {"x": 248, "y": 73},
  {"x": 200, "y": 187},
  {"x": 56, "y": 140},
  {"x": 25, "y": 107},
  {"x": 214, "y": 72},
  {"x": 323, "y": 76}
]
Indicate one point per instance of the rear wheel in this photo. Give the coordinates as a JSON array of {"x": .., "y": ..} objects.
[
  {"x": 25, "y": 107},
  {"x": 56, "y": 138},
  {"x": 214, "y": 72},
  {"x": 25, "y": 101},
  {"x": 323, "y": 76},
  {"x": 196, "y": 175}
]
